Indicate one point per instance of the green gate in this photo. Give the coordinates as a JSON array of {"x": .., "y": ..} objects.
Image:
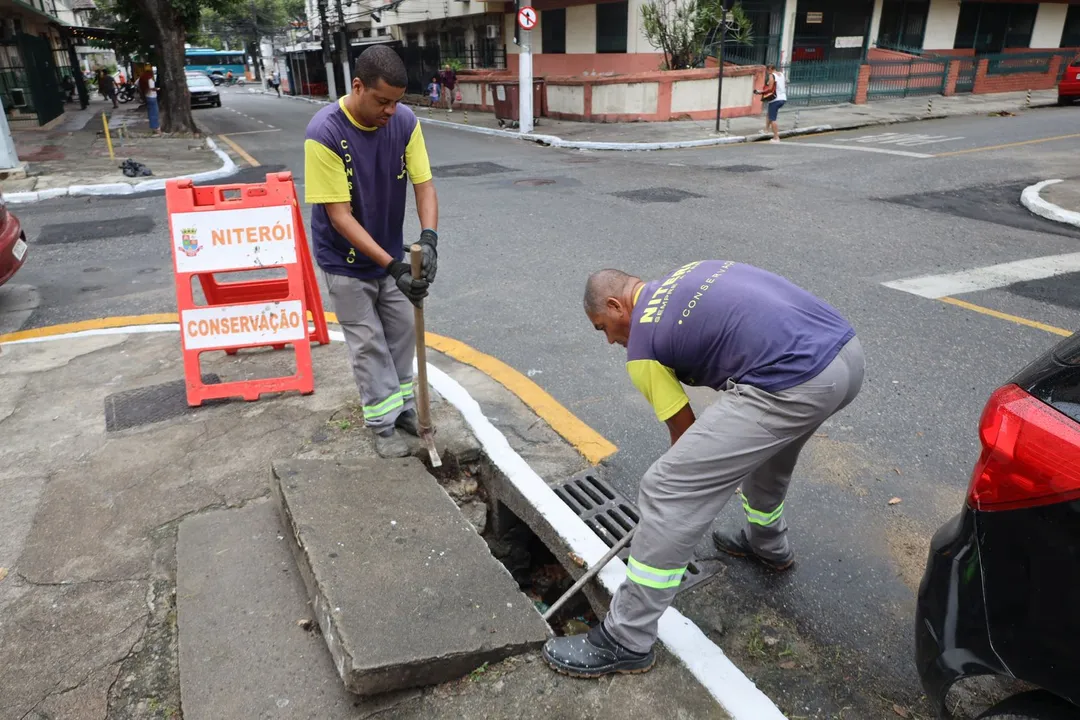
[
  {"x": 965, "y": 77},
  {"x": 821, "y": 82},
  {"x": 40, "y": 74},
  {"x": 904, "y": 78}
]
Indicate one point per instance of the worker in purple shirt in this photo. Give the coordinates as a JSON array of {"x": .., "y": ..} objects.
[
  {"x": 784, "y": 362},
  {"x": 360, "y": 155}
]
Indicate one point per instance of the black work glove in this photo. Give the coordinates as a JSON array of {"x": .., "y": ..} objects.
[
  {"x": 413, "y": 288},
  {"x": 428, "y": 240}
]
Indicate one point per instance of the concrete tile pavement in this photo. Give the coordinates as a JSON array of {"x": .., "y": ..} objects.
[
  {"x": 95, "y": 521},
  {"x": 75, "y": 152}
]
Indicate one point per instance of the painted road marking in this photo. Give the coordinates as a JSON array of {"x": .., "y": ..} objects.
[
  {"x": 240, "y": 151},
  {"x": 883, "y": 151},
  {"x": 1006, "y": 316},
  {"x": 986, "y": 278},
  {"x": 727, "y": 684},
  {"x": 1008, "y": 145},
  {"x": 591, "y": 444},
  {"x": 255, "y": 132},
  {"x": 904, "y": 139}
]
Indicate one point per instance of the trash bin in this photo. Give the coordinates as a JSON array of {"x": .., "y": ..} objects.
[{"x": 506, "y": 101}]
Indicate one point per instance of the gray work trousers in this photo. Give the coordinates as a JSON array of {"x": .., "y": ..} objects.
[
  {"x": 749, "y": 438},
  {"x": 377, "y": 321}
]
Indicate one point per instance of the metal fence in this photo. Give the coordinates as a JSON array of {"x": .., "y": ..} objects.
[
  {"x": 827, "y": 82},
  {"x": 904, "y": 78},
  {"x": 1033, "y": 62}
]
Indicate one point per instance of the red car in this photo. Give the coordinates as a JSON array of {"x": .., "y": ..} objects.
[
  {"x": 1069, "y": 87},
  {"x": 12, "y": 243}
]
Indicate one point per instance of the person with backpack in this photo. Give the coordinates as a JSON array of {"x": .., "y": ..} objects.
[{"x": 774, "y": 95}]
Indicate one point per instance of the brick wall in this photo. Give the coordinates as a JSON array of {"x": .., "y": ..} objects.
[
  {"x": 862, "y": 85},
  {"x": 986, "y": 83}
]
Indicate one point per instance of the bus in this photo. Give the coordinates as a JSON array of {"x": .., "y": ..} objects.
[{"x": 208, "y": 60}]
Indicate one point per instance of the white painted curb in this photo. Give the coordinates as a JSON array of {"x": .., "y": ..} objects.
[
  {"x": 1033, "y": 201},
  {"x": 554, "y": 141},
  {"x": 228, "y": 167},
  {"x": 735, "y": 692}
]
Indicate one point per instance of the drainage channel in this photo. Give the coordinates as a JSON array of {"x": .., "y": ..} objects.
[
  {"x": 478, "y": 490},
  {"x": 611, "y": 515}
]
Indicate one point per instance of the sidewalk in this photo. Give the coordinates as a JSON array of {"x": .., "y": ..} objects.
[
  {"x": 804, "y": 119},
  {"x": 177, "y": 585},
  {"x": 1057, "y": 200},
  {"x": 74, "y": 155}
]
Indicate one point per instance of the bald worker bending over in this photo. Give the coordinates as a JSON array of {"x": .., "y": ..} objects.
[{"x": 785, "y": 362}]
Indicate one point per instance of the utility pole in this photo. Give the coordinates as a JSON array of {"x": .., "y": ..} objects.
[
  {"x": 324, "y": 27},
  {"x": 720, "y": 59},
  {"x": 343, "y": 50}
]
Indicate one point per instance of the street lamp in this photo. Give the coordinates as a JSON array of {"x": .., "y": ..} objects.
[{"x": 720, "y": 59}]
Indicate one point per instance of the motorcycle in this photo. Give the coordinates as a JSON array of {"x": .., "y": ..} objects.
[{"x": 127, "y": 92}]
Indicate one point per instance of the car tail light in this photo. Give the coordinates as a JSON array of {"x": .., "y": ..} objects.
[{"x": 1030, "y": 454}]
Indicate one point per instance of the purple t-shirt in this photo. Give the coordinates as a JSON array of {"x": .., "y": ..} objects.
[
  {"x": 714, "y": 320},
  {"x": 369, "y": 167}
]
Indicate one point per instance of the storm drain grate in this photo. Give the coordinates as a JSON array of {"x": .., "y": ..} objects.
[
  {"x": 153, "y": 404},
  {"x": 475, "y": 169},
  {"x": 657, "y": 195},
  {"x": 611, "y": 515},
  {"x": 56, "y": 233},
  {"x": 742, "y": 168}
]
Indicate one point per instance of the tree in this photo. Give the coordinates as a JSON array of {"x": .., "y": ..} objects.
[
  {"x": 246, "y": 22},
  {"x": 157, "y": 30},
  {"x": 685, "y": 30}
]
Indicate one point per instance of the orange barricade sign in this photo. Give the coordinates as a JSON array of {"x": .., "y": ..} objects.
[{"x": 232, "y": 229}]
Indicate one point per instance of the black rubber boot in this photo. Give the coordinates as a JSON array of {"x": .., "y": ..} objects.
[
  {"x": 737, "y": 544},
  {"x": 594, "y": 655},
  {"x": 408, "y": 422}
]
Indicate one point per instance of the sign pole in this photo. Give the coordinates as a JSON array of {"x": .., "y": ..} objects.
[
  {"x": 525, "y": 84},
  {"x": 720, "y": 62}
]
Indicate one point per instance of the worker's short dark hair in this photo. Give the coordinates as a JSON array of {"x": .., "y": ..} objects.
[{"x": 380, "y": 62}]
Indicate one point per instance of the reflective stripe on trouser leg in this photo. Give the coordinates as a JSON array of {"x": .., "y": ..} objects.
[
  {"x": 356, "y": 304},
  {"x": 399, "y": 327}
]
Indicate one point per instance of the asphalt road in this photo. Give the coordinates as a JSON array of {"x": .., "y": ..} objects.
[{"x": 839, "y": 214}]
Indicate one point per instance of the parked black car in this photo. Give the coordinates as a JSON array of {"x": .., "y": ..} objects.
[
  {"x": 202, "y": 90},
  {"x": 1001, "y": 592}
]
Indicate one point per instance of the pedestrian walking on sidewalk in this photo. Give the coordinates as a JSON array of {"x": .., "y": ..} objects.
[
  {"x": 448, "y": 79},
  {"x": 360, "y": 154},
  {"x": 784, "y": 362},
  {"x": 774, "y": 95},
  {"x": 107, "y": 87},
  {"x": 149, "y": 92},
  {"x": 275, "y": 82}
]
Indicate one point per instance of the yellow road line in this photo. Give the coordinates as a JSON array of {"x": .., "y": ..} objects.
[
  {"x": 240, "y": 151},
  {"x": 1006, "y": 316},
  {"x": 591, "y": 444},
  {"x": 1007, "y": 145},
  {"x": 253, "y": 132},
  {"x": 98, "y": 324},
  {"x": 594, "y": 446}
]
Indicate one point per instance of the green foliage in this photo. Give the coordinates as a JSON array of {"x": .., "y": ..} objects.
[
  {"x": 685, "y": 30},
  {"x": 236, "y": 24}
]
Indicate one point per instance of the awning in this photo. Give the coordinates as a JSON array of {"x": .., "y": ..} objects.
[{"x": 90, "y": 35}]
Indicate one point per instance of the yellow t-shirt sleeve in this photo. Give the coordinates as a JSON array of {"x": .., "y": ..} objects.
[
  {"x": 325, "y": 180},
  {"x": 659, "y": 386},
  {"x": 416, "y": 159}
]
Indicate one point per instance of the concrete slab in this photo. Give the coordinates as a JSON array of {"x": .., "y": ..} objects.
[
  {"x": 240, "y": 604},
  {"x": 405, "y": 591}
]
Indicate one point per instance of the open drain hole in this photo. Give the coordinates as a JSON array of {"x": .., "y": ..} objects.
[{"x": 537, "y": 571}]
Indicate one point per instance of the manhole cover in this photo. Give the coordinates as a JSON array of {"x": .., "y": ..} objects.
[
  {"x": 56, "y": 233},
  {"x": 468, "y": 170},
  {"x": 534, "y": 182},
  {"x": 742, "y": 168},
  {"x": 611, "y": 515},
  {"x": 142, "y": 406},
  {"x": 657, "y": 195}
]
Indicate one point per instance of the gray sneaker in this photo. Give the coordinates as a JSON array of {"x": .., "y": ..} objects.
[
  {"x": 409, "y": 422},
  {"x": 391, "y": 445}
]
